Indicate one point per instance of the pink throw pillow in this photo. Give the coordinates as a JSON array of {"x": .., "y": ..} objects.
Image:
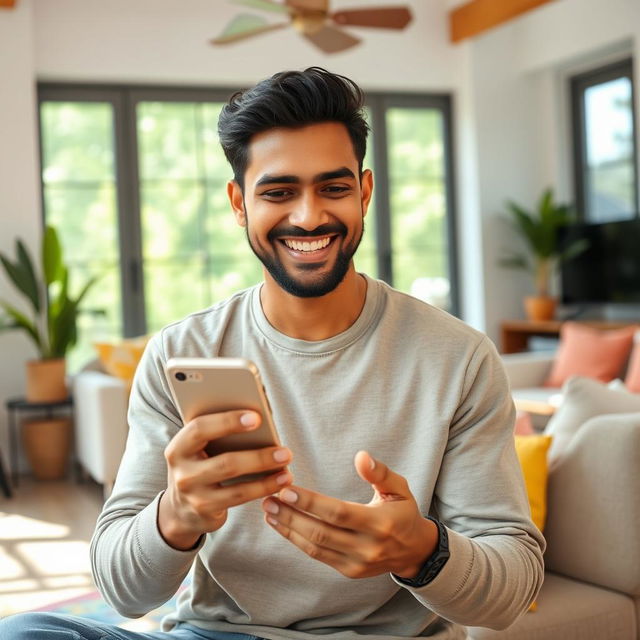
[
  {"x": 589, "y": 352},
  {"x": 524, "y": 424},
  {"x": 632, "y": 381}
]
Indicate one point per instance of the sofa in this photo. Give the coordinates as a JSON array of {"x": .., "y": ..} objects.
[
  {"x": 592, "y": 563},
  {"x": 100, "y": 422},
  {"x": 592, "y": 583}
]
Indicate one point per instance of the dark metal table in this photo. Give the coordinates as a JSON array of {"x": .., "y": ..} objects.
[{"x": 15, "y": 406}]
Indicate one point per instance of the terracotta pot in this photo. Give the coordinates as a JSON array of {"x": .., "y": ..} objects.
[
  {"x": 539, "y": 308},
  {"x": 46, "y": 380},
  {"x": 47, "y": 444}
]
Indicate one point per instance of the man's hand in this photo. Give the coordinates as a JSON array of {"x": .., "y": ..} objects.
[
  {"x": 195, "y": 502},
  {"x": 387, "y": 535}
]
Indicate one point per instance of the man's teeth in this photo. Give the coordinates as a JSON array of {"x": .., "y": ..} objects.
[{"x": 298, "y": 245}]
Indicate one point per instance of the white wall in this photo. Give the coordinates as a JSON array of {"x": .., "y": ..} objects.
[
  {"x": 166, "y": 41},
  {"x": 20, "y": 213},
  {"x": 518, "y": 82}
]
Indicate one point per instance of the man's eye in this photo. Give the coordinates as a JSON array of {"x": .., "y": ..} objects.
[
  {"x": 336, "y": 189},
  {"x": 276, "y": 193}
]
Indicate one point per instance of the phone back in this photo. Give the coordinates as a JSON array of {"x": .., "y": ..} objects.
[{"x": 212, "y": 385}]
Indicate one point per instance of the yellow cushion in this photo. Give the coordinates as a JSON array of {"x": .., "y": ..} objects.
[
  {"x": 120, "y": 359},
  {"x": 532, "y": 454}
]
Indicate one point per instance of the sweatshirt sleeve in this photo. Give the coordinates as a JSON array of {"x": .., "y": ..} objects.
[
  {"x": 495, "y": 569},
  {"x": 133, "y": 567}
]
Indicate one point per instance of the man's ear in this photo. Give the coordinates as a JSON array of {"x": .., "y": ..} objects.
[
  {"x": 234, "y": 192},
  {"x": 366, "y": 190}
]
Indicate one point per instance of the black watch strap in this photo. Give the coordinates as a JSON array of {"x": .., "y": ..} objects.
[{"x": 434, "y": 563}]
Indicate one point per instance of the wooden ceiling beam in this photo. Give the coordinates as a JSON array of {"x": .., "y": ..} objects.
[{"x": 477, "y": 16}]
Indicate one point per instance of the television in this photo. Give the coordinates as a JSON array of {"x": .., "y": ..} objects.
[{"x": 608, "y": 271}]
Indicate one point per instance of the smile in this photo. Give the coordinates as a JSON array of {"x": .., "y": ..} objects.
[{"x": 307, "y": 246}]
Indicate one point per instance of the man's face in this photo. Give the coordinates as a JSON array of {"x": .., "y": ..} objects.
[{"x": 303, "y": 205}]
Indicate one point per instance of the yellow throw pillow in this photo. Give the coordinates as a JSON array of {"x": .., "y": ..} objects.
[
  {"x": 120, "y": 359},
  {"x": 532, "y": 454}
]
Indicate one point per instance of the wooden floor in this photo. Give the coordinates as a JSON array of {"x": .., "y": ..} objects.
[{"x": 45, "y": 529}]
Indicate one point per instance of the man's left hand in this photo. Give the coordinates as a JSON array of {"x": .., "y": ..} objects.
[{"x": 387, "y": 535}]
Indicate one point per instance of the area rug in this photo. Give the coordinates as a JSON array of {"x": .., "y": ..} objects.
[{"x": 93, "y": 607}]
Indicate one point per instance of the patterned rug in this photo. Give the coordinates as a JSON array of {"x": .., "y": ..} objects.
[{"x": 92, "y": 606}]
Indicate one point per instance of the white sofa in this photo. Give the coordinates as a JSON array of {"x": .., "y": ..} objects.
[
  {"x": 100, "y": 417},
  {"x": 592, "y": 578}
]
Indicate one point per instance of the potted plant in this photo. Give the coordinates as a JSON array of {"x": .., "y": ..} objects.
[
  {"x": 51, "y": 322},
  {"x": 540, "y": 231}
]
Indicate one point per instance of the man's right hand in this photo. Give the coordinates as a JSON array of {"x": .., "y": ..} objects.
[{"x": 195, "y": 502}]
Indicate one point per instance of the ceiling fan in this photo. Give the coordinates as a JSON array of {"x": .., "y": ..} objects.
[{"x": 313, "y": 20}]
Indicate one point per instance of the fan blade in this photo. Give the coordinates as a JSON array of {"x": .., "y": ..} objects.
[
  {"x": 332, "y": 40},
  {"x": 263, "y": 5},
  {"x": 383, "y": 18},
  {"x": 309, "y": 5},
  {"x": 245, "y": 26}
]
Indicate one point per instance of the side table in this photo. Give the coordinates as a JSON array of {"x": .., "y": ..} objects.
[{"x": 16, "y": 406}]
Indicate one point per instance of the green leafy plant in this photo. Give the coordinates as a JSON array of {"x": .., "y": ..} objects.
[
  {"x": 52, "y": 320},
  {"x": 540, "y": 230}
]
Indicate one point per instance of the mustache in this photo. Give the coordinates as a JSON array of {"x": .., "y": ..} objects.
[{"x": 299, "y": 232}]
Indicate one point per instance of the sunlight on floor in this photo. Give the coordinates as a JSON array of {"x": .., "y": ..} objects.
[
  {"x": 45, "y": 559},
  {"x": 16, "y": 527},
  {"x": 61, "y": 557}
]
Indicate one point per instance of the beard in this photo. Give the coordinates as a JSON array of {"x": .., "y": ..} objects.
[{"x": 321, "y": 283}]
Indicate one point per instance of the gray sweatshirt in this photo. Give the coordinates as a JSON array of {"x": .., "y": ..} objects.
[{"x": 418, "y": 389}]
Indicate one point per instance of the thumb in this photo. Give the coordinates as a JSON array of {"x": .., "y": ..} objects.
[{"x": 387, "y": 483}]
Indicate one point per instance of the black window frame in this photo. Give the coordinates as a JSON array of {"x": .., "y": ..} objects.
[
  {"x": 124, "y": 97},
  {"x": 578, "y": 86}
]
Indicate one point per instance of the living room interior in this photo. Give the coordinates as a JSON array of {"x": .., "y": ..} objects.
[{"x": 502, "y": 98}]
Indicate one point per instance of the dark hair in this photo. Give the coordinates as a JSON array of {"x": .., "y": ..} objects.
[{"x": 291, "y": 99}]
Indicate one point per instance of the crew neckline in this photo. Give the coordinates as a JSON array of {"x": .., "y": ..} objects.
[{"x": 370, "y": 312}]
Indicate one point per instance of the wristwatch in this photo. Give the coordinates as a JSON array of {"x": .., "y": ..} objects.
[{"x": 434, "y": 563}]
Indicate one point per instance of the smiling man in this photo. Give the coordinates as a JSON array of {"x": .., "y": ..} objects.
[{"x": 401, "y": 511}]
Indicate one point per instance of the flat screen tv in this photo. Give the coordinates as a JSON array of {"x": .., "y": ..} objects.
[{"x": 609, "y": 270}]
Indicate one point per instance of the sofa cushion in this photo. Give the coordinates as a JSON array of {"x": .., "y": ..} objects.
[
  {"x": 120, "y": 359},
  {"x": 589, "y": 352},
  {"x": 593, "y": 510},
  {"x": 584, "y": 398},
  {"x": 571, "y": 610},
  {"x": 532, "y": 454}
]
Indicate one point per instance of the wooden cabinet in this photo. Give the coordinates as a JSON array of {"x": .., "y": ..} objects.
[{"x": 515, "y": 334}]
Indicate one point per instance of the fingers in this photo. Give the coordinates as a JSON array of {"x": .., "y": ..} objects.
[
  {"x": 388, "y": 484},
  {"x": 230, "y": 465},
  {"x": 191, "y": 440},
  {"x": 298, "y": 526},
  {"x": 346, "y": 515},
  {"x": 310, "y": 544}
]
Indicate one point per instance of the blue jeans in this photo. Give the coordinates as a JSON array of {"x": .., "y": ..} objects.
[{"x": 54, "y": 626}]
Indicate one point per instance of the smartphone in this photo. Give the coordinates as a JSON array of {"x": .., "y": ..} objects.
[{"x": 212, "y": 385}]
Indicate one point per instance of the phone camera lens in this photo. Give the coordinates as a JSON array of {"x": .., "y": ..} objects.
[{"x": 181, "y": 376}]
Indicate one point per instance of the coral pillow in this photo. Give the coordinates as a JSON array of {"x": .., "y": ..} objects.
[
  {"x": 632, "y": 381},
  {"x": 589, "y": 352}
]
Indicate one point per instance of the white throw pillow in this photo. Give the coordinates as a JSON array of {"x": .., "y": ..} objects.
[{"x": 584, "y": 398}]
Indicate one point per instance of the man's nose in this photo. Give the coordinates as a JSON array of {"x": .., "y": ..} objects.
[{"x": 308, "y": 212}]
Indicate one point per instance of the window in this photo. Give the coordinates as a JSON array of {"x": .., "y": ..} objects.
[
  {"x": 134, "y": 180},
  {"x": 605, "y": 158}
]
